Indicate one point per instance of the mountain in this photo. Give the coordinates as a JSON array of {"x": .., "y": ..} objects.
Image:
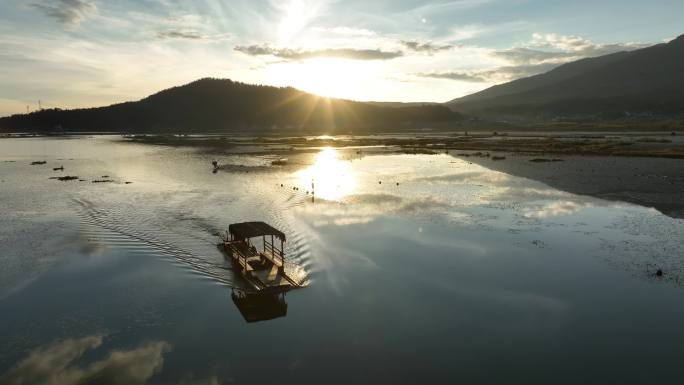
[
  {"x": 221, "y": 105},
  {"x": 643, "y": 82}
]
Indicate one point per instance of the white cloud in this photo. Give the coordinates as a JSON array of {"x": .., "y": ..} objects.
[
  {"x": 578, "y": 45},
  {"x": 528, "y": 56},
  {"x": 192, "y": 35},
  {"x": 299, "y": 54},
  {"x": 541, "y": 54},
  {"x": 427, "y": 47},
  {"x": 68, "y": 12},
  {"x": 497, "y": 75}
]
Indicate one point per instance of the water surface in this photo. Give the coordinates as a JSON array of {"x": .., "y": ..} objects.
[{"x": 419, "y": 269}]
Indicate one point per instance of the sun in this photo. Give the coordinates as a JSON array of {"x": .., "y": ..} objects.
[
  {"x": 329, "y": 77},
  {"x": 319, "y": 72},
  {"x": 329, "y": 177}
]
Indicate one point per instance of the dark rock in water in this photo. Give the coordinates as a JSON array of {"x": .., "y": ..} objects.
[
  {"x": 103, "y": 181},
  {"x": 60, "y": 168},
  {"x": 498, "y": 158},
  {"x": 540, "y": 160},
  {"x": 659, "y": 273},
  {"x": 279, "y": 162},
  {"x": 105, "y": 176},
  {"x": 128, "y": 182},
  {"x": 38, "y": 162},
  {"x": 64, "y": 178}
]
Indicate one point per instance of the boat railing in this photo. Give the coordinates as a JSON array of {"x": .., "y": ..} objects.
[
  {"x": 274, "y": 254},
  {"x": 243, "y": 253}
]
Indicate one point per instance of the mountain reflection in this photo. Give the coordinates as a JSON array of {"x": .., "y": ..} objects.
[{"x": 56, "y": 364}]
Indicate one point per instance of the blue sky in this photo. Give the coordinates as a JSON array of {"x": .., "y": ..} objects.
[{"x": 73, "y": 53}]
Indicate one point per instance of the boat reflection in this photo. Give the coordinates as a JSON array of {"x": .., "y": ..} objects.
[{"x": 260, "y": 306}]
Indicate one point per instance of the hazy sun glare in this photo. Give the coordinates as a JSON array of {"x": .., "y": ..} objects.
[
  {"x": 332, "y": 77},
  {"x": 331, "y": 177},
  {"x": 296, "y": 15}
]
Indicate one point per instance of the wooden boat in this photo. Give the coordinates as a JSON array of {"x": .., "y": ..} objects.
[{"x": 252, "y": 248}]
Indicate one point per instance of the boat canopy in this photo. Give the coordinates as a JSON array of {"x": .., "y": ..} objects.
[{"x": 254, "y": 229}]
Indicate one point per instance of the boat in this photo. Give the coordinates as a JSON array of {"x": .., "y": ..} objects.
[{"x": 255, "y": 253}]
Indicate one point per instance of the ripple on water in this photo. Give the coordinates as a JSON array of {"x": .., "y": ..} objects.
[{"x": 178, "y": 228}]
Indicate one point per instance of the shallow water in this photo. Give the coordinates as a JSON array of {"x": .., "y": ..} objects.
[{"x": 419, "y": 268}]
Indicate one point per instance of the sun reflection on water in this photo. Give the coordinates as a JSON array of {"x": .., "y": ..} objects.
[{"x": 329, "y": 177}]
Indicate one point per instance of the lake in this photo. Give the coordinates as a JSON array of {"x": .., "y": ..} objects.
[{"x": 419, "y": 268}]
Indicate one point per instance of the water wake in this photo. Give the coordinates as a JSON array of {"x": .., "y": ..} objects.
[{"x": 188, "y": 238}]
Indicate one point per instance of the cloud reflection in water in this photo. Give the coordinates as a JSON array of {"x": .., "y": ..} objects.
[
  {"x": 56, "y": 364},
  {"x": 348, "y": 193}
]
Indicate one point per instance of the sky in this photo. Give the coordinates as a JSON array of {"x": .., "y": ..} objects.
[{"x": 85, "y": 53}]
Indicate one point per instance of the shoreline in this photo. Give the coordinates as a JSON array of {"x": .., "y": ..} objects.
[
  {"x": 661, "y": 145},
  {"x": 649, "y": 182}
]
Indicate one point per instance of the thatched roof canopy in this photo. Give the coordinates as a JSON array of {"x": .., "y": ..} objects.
[{"x": 254, "y": 229}]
